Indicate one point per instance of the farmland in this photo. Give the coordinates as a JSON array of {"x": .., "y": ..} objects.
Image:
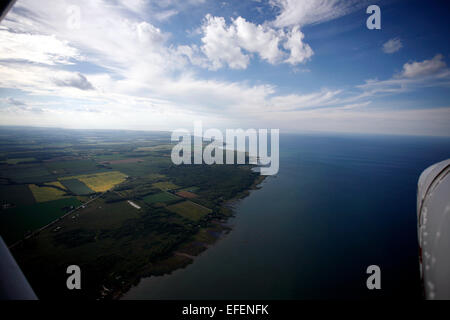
[
  {"x": 100, "y": 182},
  {"x": 76, "y": 186},
  {"x": 160, "y": 197},
  {"x": 43, "y": 194},
  {"x": 72, "y": 167},
  {"x": 94, "y": 176},
  {"x": 16, "y": 222},
  {"x": 165, "y": 185},
  {"x": 189, "y": 210},
  {"x": 19, "y": 160}
]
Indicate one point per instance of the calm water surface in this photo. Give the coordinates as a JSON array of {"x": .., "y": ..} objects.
[{"x": 338, "y": 205}]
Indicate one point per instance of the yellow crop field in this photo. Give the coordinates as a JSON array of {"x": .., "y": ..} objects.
[
  {"x": 56, "y": 184},
  {"x": 43, "y": 194},
  {"x": 100, "y": 182}
]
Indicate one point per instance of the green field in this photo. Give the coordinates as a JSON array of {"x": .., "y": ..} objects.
[
  {"x": 100, "y": 215},
  {"x": 150, "y": 165},
  {"x": 160, "y": 147},
  {"x": 17, "y": 195},
  {"x": 27, "y": 173},
  {"x": 160, "y": 197},
  {"x": 165, "y": 185},
  {"x": 190, "y": 210},
  {"x": 76, "y": 186},
  {"x": 17, "y": 160},
  {"x": 114, "y": 243},
  {"x": 72, "y": 167},
  {"x": 192, "y": 189},
  {"x": 15, "y": 222}
]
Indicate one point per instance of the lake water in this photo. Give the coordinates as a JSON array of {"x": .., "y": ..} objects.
[{"x": 337, "y": 205}]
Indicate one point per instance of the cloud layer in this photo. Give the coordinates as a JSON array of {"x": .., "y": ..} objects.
[{"x": 116, "y": 67}]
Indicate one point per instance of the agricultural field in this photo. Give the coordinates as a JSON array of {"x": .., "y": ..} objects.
[
  {"x": 165, "y": 185},
  {"x": 155, "y": 176},
  {"x": 27, "y": 173},
  {"x": 94, "y": 175},
  {"x": 160, "y": 197},
  {"x": 16, "y": 222},
  {"x": 19, "y": 160},
  {"x": 16, "y": 195},
  {"x": 186, "y": 194},
  {"x": 190, "y": 210},
  {"x": 43, "y": 194},
  {"x": 192, "y": 189},
  {"x": 76, "y": 186},
  {"x": 100, "y": 182},
  {"x": 72, "y": 167},
  {"x": 100, "y": 214},
  {"x": 149, "y": 166},
  {"x": 156, "y": 148}
]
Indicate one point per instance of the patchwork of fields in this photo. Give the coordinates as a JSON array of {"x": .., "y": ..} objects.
[
  {"x": 100, "y": 182},
  {"x": 43, "y": 194},
  {"x": 76, "y": 186},
  {"x": 190, "y": 210},
  {"x": 160, "y": 197},
  {"x": 165, "y": 185},
  {"x": 102, "y": 178},
  {"x": 16, "y": 222}
]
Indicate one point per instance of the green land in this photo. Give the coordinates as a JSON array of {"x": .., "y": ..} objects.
[{"x": 106, "y": 201}]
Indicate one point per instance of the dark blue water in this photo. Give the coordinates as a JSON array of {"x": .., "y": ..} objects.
[{"x": 338, "y": 205}]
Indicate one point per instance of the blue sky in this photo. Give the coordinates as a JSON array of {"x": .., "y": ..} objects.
[{"x": 299, "y": 66}]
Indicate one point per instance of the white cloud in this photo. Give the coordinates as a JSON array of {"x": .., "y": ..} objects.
[
  {"x": 300, "y": 52},
  {"x": 304, "y": 12},
  {"x": 424, "y": 68},
  {"x": 75, "y": 80},
  {"x": 260, "y": 39},
  {"x": 414, "y": 75},
  {"x": 294, "y": 102},
  {"x": 234, "y": 45},
  {"x": 15, "y": 102},
  {"x": 38, "y": 48},
  {"x": 393, "y": 45},
  {"x": 139, "y": 80},
  {"x": 220, "y": 44},
  {"x": 423, "y": 121}
]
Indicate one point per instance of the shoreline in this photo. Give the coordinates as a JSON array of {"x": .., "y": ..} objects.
[{"x": 186, "y": 253}]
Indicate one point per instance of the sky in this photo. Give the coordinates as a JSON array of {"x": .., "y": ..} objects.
[{"x": 297, "y": 66}]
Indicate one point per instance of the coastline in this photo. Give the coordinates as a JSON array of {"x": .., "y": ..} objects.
[{"x": 185, "y": 254}]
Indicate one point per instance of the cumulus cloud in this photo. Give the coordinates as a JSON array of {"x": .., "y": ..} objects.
[
  {"x": 140, "y": 80},
  {"x": 424, "y": 68},
  {"x": 220, "y": 44},
  {"x": 300, "y": 51},
  {"x": 392, "y": 45},
  {"x": 260, "y": 39},
  {"x": 234, "y": 44}
]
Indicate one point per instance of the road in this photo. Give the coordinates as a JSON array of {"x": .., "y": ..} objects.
[{"x": 54, "y": 221}]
